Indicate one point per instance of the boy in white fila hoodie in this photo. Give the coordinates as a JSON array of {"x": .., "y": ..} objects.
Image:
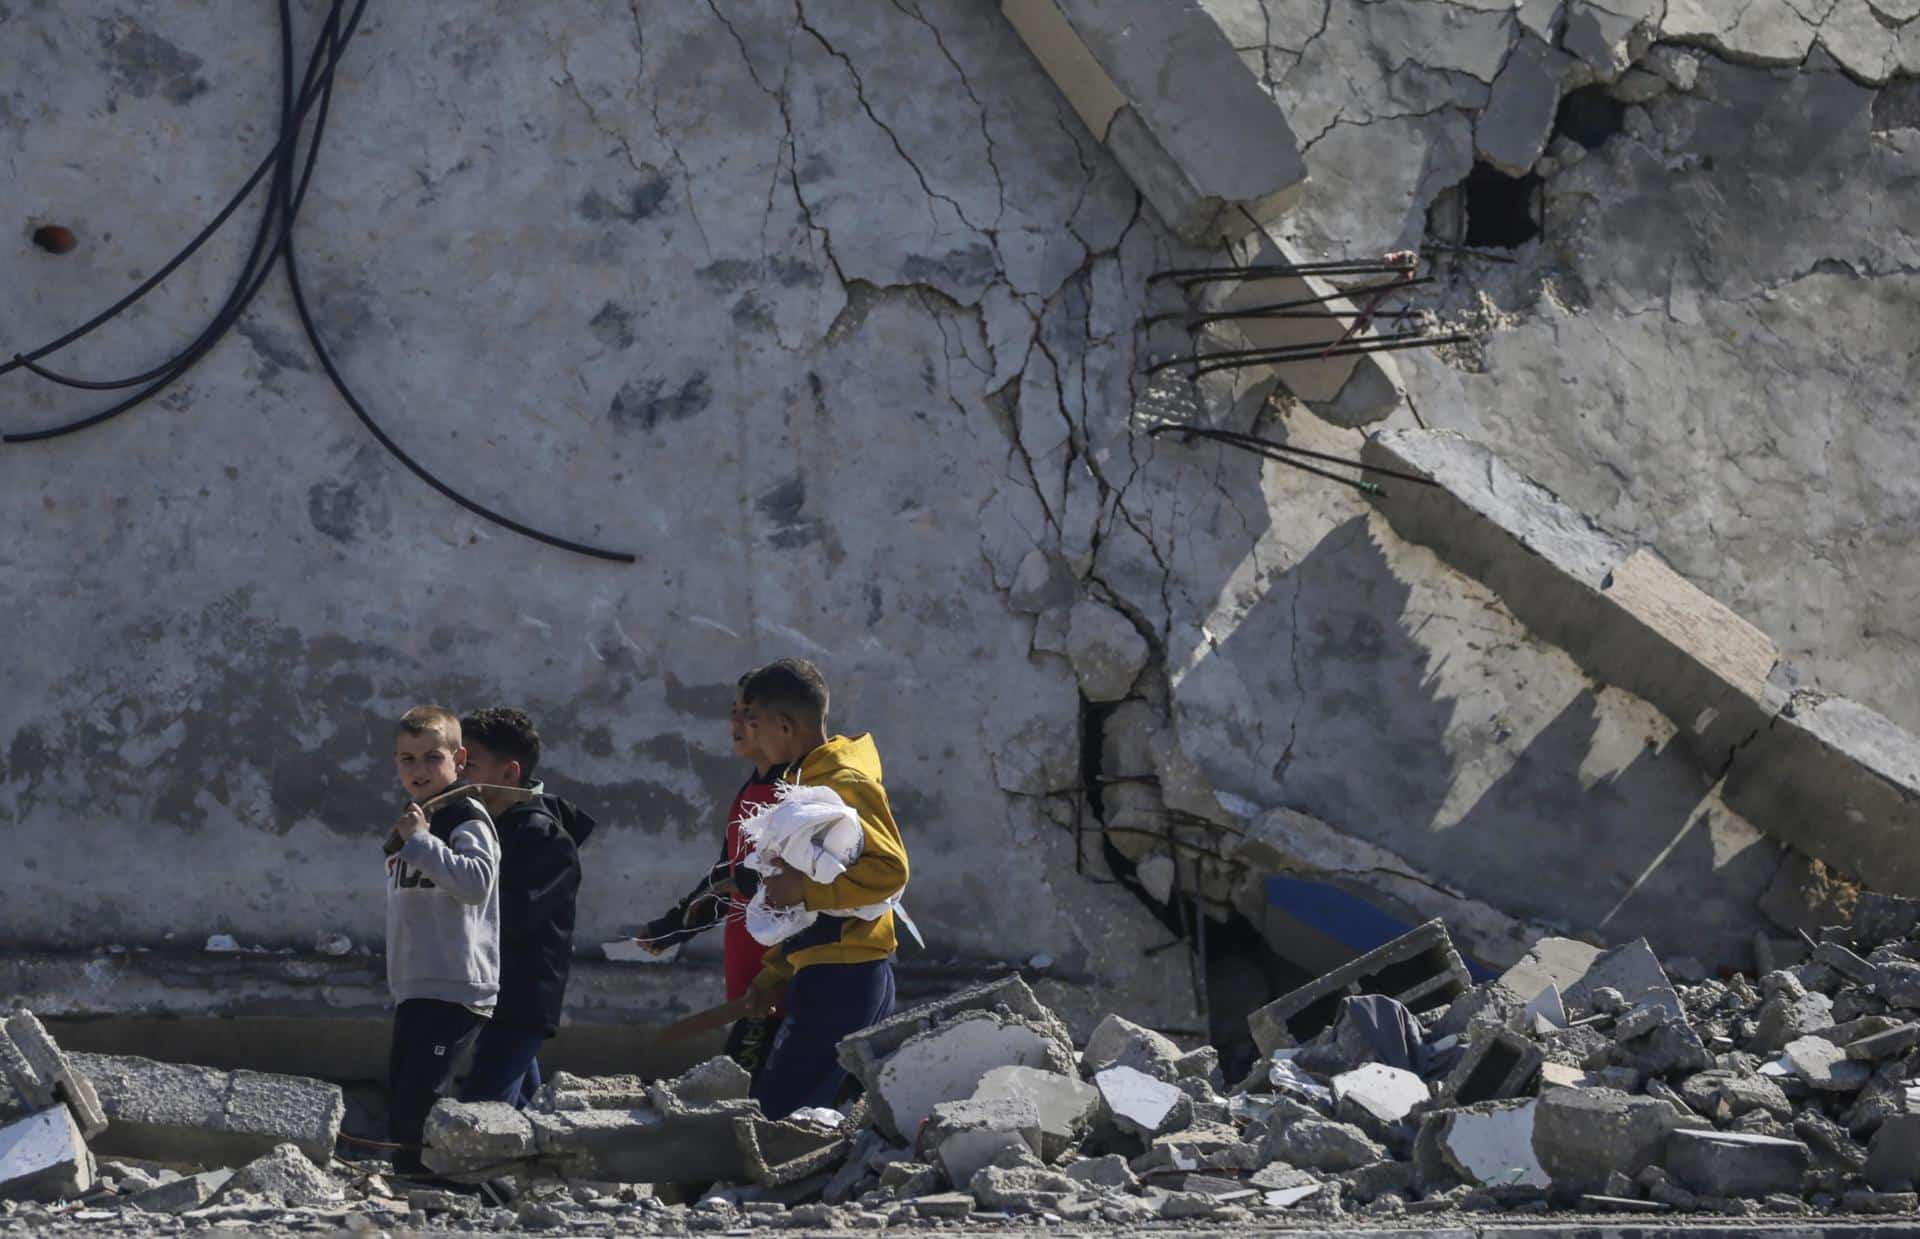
[{"x": 443, "y": 923}]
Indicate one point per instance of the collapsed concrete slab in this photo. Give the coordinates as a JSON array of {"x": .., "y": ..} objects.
[
  {"x": 44, "y": 1157},
  {"x": 181, "y": 1194},
  {"x": 1157, "y": 82},
  {"x": 172, "y": 1112},
  {"x": 1730, "y": 1163},
  {"x": 862, "y": 1053},
  {"x": 1066, "y": 1105},
  {"x": 41, "y": 1073},
  {"x": 1419, "y": 969},
  {"x": 1380, "y": 1093},
  {"x": 947, "y": 1063},
  {"x": 1138, "y": 1102}
]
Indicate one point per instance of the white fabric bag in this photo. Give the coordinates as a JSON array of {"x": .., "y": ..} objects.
[{"x": 816, "y": 833}]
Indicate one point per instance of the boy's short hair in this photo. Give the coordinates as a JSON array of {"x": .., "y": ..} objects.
[
  {"x": 792, "y": 687},
  {"x": 507, "y": 733},
  {"x": 436, "y": 721}
]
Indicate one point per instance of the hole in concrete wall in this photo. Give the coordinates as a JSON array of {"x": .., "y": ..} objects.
[
  {"x": 1897, "y": 105},
  {"x": 1589, "y": 116},
  {"x": 1502, "y": 211}
]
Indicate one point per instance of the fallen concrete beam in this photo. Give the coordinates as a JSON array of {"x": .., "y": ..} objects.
[
  {"x": 1827, "y": 775},
  {"x": 1160, "y": 86},
  {"x": 1840, "y": 783},
  {"x": 1621, "y": 613},
  {"x": 1419, "y": 969},
  {"x": 44, "y": 1157},
  {"x": 1731, "y": 1163},
  {"x": 171, "y": 1112}
]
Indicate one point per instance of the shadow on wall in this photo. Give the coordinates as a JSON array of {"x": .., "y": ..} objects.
[{"x": 1365, "y": 720}]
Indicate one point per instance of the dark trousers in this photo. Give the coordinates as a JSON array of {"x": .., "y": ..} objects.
[
  {"x": 429, "y": 1036},
  {"x": 506, "y": 1065},
  {"x": 749, "y": 1041},
  {"x": 824, "y": 1003}
]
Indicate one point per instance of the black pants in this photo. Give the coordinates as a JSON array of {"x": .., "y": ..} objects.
[
  {"x": 824, "y": 1003},
  {"x": 750, "y": 1040},
  {"x": 429, "y": 1038}
]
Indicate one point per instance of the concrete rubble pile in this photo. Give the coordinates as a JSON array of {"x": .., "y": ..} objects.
[{"x": 1580, "y": 1081}]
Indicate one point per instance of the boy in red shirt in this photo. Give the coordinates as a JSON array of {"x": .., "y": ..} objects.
[{"x": 722, "y": 895}]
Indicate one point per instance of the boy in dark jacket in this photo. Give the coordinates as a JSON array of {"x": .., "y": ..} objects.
[
  {"x": 539, "y": 881},
  {"x": 721, "y": 895}
]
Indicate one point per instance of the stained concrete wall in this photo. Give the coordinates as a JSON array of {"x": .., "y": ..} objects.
[{"x": 833, "y": 318}]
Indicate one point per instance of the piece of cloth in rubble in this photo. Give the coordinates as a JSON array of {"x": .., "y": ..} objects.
[
  {"x": 696, "y": 912},
  {"x": 851, "y": 767},
  {"x": 443, "y": 910},
  {"x": 1371, "y": 1028},
  {"x": 539, "y": 885}
]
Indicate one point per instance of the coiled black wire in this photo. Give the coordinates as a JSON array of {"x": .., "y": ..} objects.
[{"x": 315, "y": 95}]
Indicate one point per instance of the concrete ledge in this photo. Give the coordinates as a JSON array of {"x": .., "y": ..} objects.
[
  {"x": 1826, "y": 775},
  {"x": 329, "y": 1017},
  {"x": 1160, "y": 85}
]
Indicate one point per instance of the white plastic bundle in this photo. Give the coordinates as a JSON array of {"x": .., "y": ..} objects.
[{"x": 815, "y": 832}]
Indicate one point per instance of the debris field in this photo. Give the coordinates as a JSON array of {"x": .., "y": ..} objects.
[{"x": 1391, "y": 1092}]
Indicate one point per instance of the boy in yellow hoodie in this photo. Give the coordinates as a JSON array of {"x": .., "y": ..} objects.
[{"x": 836, "y": 976}]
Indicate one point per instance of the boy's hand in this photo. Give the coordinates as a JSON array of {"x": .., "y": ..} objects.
[
  {"x": 411, "y": 823},
  {"x": 764, "y": 1000},
  {"x": 785, "y": 888}
]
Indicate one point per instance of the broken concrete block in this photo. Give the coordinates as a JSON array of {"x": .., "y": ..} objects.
[
  {"x": 948, "y": 1063},
  {"x": 1879, "y": 918},
  {"x": 54, "y": 1072},
  {"x": 862, "y": 1053},
  {"x": 1138, "y": 1102},
  {"x": 1160, "y": 85},
  {"x": 1499, "y": 1063},
  {"x": 44, "y": 1157},
  {"x": 1384, "y": 1094},
  {"x": 1876, "y": 1046},
  {"x": 171, "y": 1112},
  {"x": 1067, "y": 1105},
  {"x": 1492, "y": 1145},
  {"x": 1317, "y": 1144},
  {"x": 1419, "y": 969},
  {"x": 1840, "y": 783},
  {"x": 181, "y": 1194},
  {"x": 1110, "y": 1171},
  {"x": 717, "y": 1079},
  {"x": 1021, "y": 1189},
  {"x": 967, "y": 1136},
  {"x": 1898, "y": 981},
  {"x": 461, "y": 1135},
  {"x": 1549, "y": 963},
  {"x": 1825, "y": 1066},
  {"x": 1726, "y": 1095},
  {"x": 1583, "y": 1135},
  {"x": 1893, "y": 1155},
  {"x": 1123, "y": 1043},
  {"x": 1789, "y": 1013},
  {"x": 1735, "y": 1164},
  {"x": 286, "y": 1176}
]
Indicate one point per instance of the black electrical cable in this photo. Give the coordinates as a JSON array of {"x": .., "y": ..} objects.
[
  {"x": 283, "y": 205},
  {"x": 308, "y": 89}
]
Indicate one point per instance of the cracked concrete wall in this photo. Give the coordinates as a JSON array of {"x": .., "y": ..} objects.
[{"x": 835, "y": 320}]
